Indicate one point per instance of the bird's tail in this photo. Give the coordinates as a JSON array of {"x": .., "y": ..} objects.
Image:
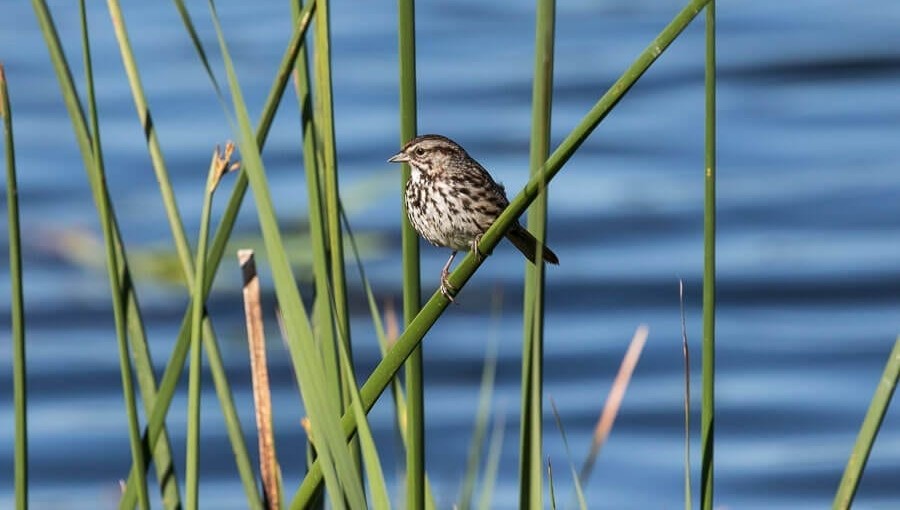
[{"x": 527, "y": 244}]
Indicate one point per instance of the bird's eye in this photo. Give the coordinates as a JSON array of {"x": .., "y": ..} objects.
[{"x": 420, "y": 151}]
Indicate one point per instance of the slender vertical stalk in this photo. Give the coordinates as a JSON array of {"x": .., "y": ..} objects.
[
  {"x": 869, "y": 430},
  {"x": 707, "y": 417},
  {"x": 322, "y": 311},
  {"x": 17, "y": 309},
  {"x": 197, "y": 304},
  {"x": 259, "y": 368},
  {"x": 115, "y": 283},
  {"x": 531, "y": 435},
  {"x": 688, "y": 493},
  {"x": 328, "y": 168},
  {"x": 415, "y": 409}
]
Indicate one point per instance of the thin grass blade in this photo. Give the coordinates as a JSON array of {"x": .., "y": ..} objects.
[
  {"x": 579, "y": 493},
  {"x": 492, "y": 464},
  {"x": 118, "y": 301},
  {"x": 17, "y": 306},
  {"x": 688, "y": 492},
  {"x": 614, "y": 400},
  {"x": 483, "y": 414},
  {"x": 869, "y": 430}
]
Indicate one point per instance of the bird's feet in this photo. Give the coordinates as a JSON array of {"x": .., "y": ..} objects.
[
  {"x": 478, "y": 255},
  {"x": 447, "y": 289}
]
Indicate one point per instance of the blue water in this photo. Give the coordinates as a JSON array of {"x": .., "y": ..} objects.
[{"x": 808, "y": 239}]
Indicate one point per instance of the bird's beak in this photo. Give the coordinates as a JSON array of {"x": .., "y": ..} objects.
[{"x": 400, "y": 157}]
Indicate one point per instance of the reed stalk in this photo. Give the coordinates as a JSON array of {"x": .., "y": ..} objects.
[
  {"x": 708, "y": 399},
  {"x": 104, "y": 209},
  {"x": 197, "y": 305},
  {"x": 869, "y": 430},
  {"x": 415, "y": 391},
  {"x": 17, "y": 304},
  {"x": 531, "y": 433},
  {"x": 259, "y": 369}
]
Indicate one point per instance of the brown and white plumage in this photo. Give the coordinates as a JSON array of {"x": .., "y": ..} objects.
[{"x": 451, "y": 200}]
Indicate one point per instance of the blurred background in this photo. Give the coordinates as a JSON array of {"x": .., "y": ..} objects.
[{"x": 808, "y": 239}]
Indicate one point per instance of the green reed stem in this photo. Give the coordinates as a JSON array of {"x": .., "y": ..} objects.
[
  {"x": 182, "y": 248},
  {"x": 708, "y": 399},
  {"x": 869, "y": 430},
  {"x": 329, "y": 170},
  {"x": 17, "y": 307},
  {"x": 197, "y": 304},
  {"x": 412, "y": 297},
  {"x": 531, "y": 435},
  {"x": 156, "y": 421},
  {"x": 101, "y": 196},
  {"x": 323, "y": 315},
  {"x": 422, "y": 323}
]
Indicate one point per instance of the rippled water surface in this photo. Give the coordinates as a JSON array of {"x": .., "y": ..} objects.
[{"x": 808, "y": 247}]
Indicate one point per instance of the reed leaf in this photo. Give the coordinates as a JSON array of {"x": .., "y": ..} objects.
[
  {"x": 482, "y": 415},
  {"x": 492, "y": 464},
  {"x": 579, "y": 493},
  {"x": 217, "y": 167},
  {"x": 17, "y": 304},
  {"x": 104, "y": 207}
]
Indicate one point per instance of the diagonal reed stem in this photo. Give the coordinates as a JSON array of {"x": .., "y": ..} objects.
[{"x": 869, "y": 430}]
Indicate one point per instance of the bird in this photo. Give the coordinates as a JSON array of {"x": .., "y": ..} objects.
[{"x": 451, "y": 201}]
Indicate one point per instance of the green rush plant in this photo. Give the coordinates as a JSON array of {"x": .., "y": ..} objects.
[{"x": 17, "y": 307}]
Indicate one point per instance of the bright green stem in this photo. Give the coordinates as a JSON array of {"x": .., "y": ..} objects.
[
  {"x": 416, "y": 330},
  {"x": 708, "y": 413},
  {"x": 17, "y": 309},
  {"x": 869, "y": 430},
  {"x": 104, "y": 208},
  {"x": 531, "y": 431},
  {"x": 412, "y": 298},
  {"x": 329, "y": 170},
  {"x": 197, "y": 304}
]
